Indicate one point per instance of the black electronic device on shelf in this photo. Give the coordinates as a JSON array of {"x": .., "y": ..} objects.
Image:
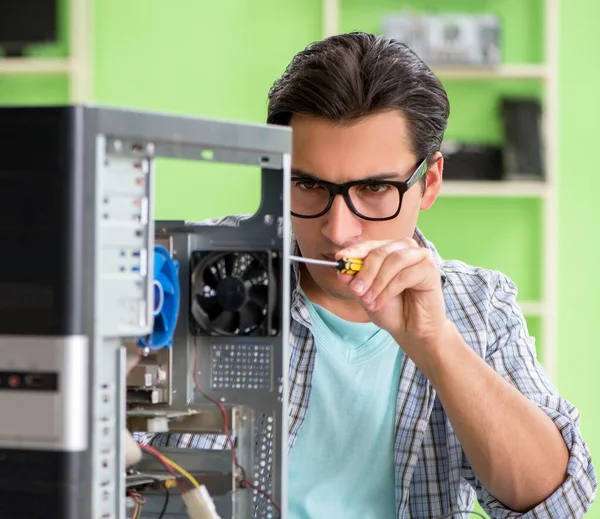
[
  {"x": 472, "y": 162},
  {"x": 27, "y": 22},
  {"x": 523, "y": 142}
]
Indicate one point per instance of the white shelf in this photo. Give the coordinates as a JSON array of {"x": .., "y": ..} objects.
[
  {"x": 483, "y": 188},
  {"x": 502, "y": 71},
  {"x": 533, "y": 308},
  {"x": 34, "y": 66}
]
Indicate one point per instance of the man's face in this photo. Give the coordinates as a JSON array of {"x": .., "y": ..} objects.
[{"x": 342, "y": 153}]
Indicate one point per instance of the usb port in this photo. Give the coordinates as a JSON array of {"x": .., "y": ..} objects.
[{"x": 142, "y": 266}]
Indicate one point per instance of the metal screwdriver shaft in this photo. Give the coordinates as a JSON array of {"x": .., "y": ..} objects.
[
  {"x": 345, "y": 265},
  {"x": 325, "y": 263}
]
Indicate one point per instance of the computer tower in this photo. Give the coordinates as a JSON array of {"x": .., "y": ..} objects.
[{"x": 78, "y": 281}]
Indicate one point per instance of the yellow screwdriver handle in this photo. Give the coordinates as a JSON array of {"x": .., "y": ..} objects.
[{"x": 350, "y": 265}]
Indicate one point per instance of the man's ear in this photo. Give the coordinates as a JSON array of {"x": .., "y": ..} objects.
[{"x": 433, "y": 181}]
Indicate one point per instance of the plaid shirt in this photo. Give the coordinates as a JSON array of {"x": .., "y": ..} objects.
[{"x": 433, "y": 476}]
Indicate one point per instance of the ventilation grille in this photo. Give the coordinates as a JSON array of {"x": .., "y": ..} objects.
[
  {"x": 241, "y": 366},
  {"x": 230, "y": 293},
  {"x": 263, "y": 463}
]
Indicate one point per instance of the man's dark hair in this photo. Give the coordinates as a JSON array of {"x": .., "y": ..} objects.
[{"x": 347, "y": 77}]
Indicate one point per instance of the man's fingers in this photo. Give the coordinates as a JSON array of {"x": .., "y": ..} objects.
[
  {"x": 395, "y": 255},
  {"x": 394, "y": 264},
  {"x": 411, "y": 277}
]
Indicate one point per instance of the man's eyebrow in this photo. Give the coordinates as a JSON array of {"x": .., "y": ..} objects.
[
  {"x": 304, "y": 174},
  {"x": 369, "y": 178}
]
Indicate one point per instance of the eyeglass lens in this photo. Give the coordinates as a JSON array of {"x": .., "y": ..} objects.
[{"x": 371, "y": 200}]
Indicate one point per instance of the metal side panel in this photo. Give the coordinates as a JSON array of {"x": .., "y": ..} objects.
[
  {"x": 209, "y": 133},
  {"x": 122, "y": 302}
]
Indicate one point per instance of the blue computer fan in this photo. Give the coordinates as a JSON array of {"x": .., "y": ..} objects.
[{"x": 166, "y": 300}]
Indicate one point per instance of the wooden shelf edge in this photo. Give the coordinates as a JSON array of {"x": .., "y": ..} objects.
[
  {"x": 533, "y": 308},
  {"x": 35, "y": 66},
  {"x": 501, "y": 189},
  {"x": 525, "y": 71}
]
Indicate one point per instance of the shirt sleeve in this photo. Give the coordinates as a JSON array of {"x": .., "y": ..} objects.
[{"x": 511, "y": 352}]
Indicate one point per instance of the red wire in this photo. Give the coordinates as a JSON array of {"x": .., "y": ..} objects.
[
  {"x": 244, "y": 483},
  {"x": 136, "y": 510},
  {"x": 138, "y": 357}
]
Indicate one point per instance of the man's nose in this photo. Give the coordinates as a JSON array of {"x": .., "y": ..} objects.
[{"x": 341, "y": 224}]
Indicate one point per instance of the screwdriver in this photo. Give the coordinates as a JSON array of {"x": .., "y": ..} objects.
[{"x": 344, "y": 265}]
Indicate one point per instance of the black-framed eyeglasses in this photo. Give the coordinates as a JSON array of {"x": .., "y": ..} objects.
[{"x": 374, "y": 200}]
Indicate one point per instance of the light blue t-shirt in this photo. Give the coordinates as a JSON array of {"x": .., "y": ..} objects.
[{"x": 342, "y": 463}]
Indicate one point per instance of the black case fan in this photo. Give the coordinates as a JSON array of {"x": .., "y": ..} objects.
[{"x": 231, "y": 292}]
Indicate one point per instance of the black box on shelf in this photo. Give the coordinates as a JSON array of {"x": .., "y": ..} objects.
[
  {"x": 523, "y": 146},
  {"x": 470, "y": 161}
]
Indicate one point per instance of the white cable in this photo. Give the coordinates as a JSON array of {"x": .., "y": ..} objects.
[
  {"x": 199, "y": 504},
  {"x": 133, "y": 452}
]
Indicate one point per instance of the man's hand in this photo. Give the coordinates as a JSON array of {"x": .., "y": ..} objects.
[
  {"x": 514, "y": 448},
  {"x": 400, "y": 287}
]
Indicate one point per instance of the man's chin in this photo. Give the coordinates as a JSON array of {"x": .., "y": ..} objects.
[
  {"x": 340, "y": 292},
  {"x": 329, "y": 284}
]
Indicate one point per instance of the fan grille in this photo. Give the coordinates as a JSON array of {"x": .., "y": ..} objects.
[{"x": 230, "y": 293}]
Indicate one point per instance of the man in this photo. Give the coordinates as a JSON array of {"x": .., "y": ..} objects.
[{"x": 414, "y": 383}]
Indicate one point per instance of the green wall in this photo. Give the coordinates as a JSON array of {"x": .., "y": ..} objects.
[
  {"x": 218, "y": 59},
  {"x": 579, "y": 224},
  {"x": 43, "y": 88},
  {"x": 205, "y": 59}
]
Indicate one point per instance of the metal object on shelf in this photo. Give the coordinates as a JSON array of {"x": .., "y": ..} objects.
[{"x": 460, "y": 39}]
